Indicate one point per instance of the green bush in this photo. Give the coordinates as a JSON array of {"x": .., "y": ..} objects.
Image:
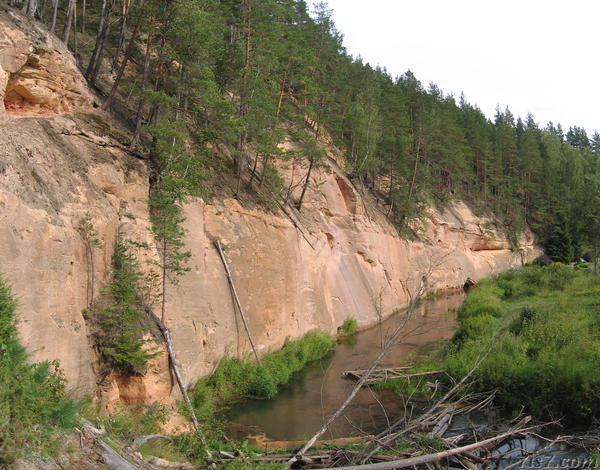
[
  {"x": 348, "y": 328},
  {"x": 33, "y": 402}
]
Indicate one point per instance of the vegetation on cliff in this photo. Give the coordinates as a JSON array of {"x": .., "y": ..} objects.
[
  {"x": 200, "y": 75},
  {"x": 33, "y": 404},
  {"x": 119, "y": 322},
  {"x": 348, "y": 328}
]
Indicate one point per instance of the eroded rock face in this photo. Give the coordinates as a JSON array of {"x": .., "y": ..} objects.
[{"x": 38, "y": 76}]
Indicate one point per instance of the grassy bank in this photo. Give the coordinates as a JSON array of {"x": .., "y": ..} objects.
[
  {"x": 542, "y": 327},
  {"x": 538, "y": 329},
  {"x": 238, "y": 379},
  {"x": 235, "y": 379}
]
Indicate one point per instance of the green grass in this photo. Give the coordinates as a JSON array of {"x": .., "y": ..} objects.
[
  {"x": 244, "y": 378},
  {"x": 348, "y": 328},
  {"x": 542, "y": 328},
  {"x": 33, "y": 401}
]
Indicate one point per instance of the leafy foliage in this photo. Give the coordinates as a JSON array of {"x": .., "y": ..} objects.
[
  {"x": 348, "y": 328},
  {"x": 33, "y": 402}
]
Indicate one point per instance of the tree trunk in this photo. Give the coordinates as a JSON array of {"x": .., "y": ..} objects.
[
  {"x": 237, "y": 299},
  {"x": 29, "y": 8},
  {"x": 83, "y": 10},
  {"x": 98, "y": 46},
  {"x": 414, "y": 176},
  {"x": 123, "y": 33},
  {"x": 174, "y": 366},
  {"x": 68, "y": 19},
  {"x": 145, "y": 74},
  {"x": 306, "y": 181},
  {"x": 42, "y": 11},
  {"x": 163, "y": 299},
  {"x": 98, "y": 63},
  {"x": 282, "y": 89},
  {"x": 126, "y": 58},
  {"x": 54, "y": 14},
  {"x": 244, "y": 93},
  {"x": 424, "y": 459},
  {"x": 253, "y": 174},
  {"x": 75, "y": 28}
]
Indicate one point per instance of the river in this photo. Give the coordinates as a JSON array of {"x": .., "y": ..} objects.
[{"x": 300, "y": 408}]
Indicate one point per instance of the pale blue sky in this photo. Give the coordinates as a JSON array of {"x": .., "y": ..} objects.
[{"x": 532, "y": 55}]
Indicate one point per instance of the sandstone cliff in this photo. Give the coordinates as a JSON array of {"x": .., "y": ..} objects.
[{"x": 55, "y": 168}]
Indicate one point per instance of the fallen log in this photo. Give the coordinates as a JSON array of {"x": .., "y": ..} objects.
[
  {"x": 387, "y": 374},
  {"x": 442, "y": 425},
  {"x": 175, "y": 368},
  {"x": 436, "y": 457},
  {"x": 236, "y": 298}
]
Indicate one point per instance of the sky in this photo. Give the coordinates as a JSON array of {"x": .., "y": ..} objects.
[{"x": 530, "y": 55}]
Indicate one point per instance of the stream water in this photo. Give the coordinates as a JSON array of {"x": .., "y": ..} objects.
[{"x": 301, "y": 407}]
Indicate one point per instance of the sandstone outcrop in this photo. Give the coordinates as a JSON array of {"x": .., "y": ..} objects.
[
  {"x": 37, "y": 74},
  {"x": 347, "y": 260}
]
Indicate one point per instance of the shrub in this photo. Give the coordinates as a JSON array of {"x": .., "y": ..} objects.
[
  {"x": 121, "y": 326},
  {"x": 348, "y": 328},
  {"x": 33, "y": 402}
]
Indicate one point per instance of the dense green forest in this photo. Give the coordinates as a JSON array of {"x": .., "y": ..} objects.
[{"x": 196, "y": 74}]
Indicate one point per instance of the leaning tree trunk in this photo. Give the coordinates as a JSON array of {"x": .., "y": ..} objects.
[
  {"x": 123, "y": 31},
  {"x": 175, "y": 367},
  {"x": 310, "y": 167}
]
